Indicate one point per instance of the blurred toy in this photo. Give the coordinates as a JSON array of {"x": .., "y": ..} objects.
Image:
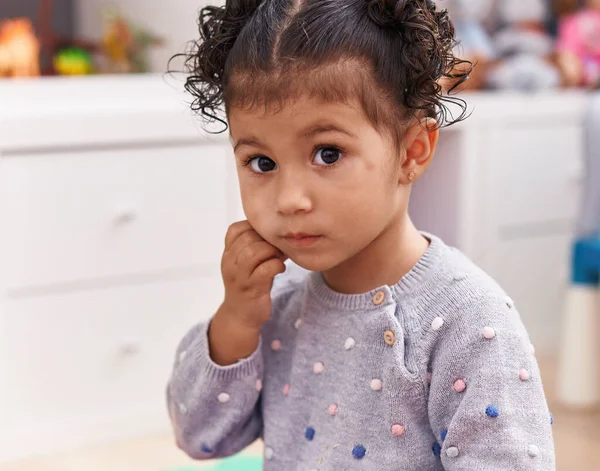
[
  {"x": 73, "y": 61},
  {"x": 525, "y": 49},
  {"x": 468, "y": 17},
  {"x": 19, "y": 49},
  {"x": 579, "y": 45},
  {"x": 475, "y": 44},
  {"x": 54, "y": 45},
  {"x": 125, "y": 46}
]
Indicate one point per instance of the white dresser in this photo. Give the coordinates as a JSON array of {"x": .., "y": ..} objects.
[
  {"x": 504, "y": 187},
  {"x": 113, "y": 209}
]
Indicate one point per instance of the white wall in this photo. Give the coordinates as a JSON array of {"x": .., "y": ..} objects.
[{"x": 174, "y": 21}]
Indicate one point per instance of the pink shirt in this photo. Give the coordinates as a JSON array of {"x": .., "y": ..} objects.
[{"x": 580, "y": 34}]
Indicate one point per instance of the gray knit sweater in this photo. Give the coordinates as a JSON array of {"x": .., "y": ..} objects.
[{"x": 436, "y": 372}]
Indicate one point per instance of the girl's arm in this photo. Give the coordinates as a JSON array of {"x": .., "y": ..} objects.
[
  {"x": 486, "y": 404},
  {"x": 213, "y": 396},
  {"x": 215, "y": 410}
]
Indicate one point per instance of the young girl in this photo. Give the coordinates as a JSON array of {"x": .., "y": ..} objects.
[{"x": 375, "y": 347}]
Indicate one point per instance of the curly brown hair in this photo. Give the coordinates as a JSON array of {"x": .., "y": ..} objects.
[{"x": 390, "y": 54}]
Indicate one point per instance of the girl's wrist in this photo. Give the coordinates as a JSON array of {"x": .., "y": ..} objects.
[{"x": 230, "y": 341}]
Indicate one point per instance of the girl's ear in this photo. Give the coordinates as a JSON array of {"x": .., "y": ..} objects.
[{"x": 420, "y": 141}]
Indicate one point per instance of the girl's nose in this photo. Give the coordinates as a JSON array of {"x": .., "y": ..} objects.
[{"x": 293, "y": 198}]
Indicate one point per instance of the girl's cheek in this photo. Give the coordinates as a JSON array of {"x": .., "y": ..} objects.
[{"x": 259, "y": 220}]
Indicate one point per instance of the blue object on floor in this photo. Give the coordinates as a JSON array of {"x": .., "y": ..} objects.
[
  {"x": 586, "y": 262},
  {"x": 235, "y": 463}
]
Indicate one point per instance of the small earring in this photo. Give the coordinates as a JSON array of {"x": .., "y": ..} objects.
[{"x": 411, "y": 176}]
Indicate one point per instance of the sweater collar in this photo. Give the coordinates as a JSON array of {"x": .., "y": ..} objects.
[{"x": 419, "y": 274}]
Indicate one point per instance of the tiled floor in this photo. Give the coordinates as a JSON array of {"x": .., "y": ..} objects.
[{"x": 577, "y": 437}]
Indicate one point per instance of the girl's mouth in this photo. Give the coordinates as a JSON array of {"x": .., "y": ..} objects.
[{"x": 302, "y": 239}]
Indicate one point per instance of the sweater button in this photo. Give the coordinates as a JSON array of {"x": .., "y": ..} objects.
[
  {"x": 389, "y": 337},
  {"x": 378, "y": 298}
]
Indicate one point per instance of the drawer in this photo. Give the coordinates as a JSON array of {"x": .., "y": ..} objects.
[
  {"x": 74, "y": 360},
  {"x": 536, "y": 173},
  {"x": 94, "y": 214}
]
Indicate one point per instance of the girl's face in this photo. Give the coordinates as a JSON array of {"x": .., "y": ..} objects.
[{"x": 317, "y": 180}]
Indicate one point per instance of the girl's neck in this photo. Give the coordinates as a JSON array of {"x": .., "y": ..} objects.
[{"x": 383, "y": 262}]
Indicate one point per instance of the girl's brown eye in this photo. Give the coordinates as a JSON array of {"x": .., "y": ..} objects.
[
  {"x": 327, "y": 156},
  {"x": 262, "y": 164}
]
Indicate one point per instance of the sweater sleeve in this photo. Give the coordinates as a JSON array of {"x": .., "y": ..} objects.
[
  {"x": 486, "y": 401},
  {"x": 214, "y": 410}
]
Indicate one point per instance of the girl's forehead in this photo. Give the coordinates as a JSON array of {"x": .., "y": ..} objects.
[
  {"x": 346, "y": 88},
  {"x": 341, "y": 81},
  {"x": 302, "y": 116},
  {"x": 301, "y": 108}
]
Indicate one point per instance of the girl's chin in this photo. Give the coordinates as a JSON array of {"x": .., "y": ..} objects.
[{"x": 316, "y": 263}]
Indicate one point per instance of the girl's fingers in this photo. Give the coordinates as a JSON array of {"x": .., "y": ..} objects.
[{"x": 254, "y": 254}]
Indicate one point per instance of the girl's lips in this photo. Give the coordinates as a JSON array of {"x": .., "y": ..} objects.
[{"x": 302, "y": 240}]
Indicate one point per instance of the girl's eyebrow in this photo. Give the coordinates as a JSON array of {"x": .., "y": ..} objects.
[
  {"x": 250, "y": 142},
  {"x": 311, "y": 132},
  {"x": 325, "y": 128}
]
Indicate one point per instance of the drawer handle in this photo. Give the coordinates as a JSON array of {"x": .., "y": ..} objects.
[
  {"x": 128, "y": 349},
  {"x": 126, "y": 217}
]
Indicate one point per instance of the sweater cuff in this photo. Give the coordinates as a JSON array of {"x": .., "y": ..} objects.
[{"x": 252, "y": 366}]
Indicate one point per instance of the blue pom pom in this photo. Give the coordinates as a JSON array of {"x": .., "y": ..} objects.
[
  {"x": 551, "y": 419},
  {"x": 492, "y": 411},
  {"x": 437, "y": 449},
  {"x": 444, "y": 433},
  {"x": 359, "y": 452},
  {"x": 310, "y": 433},
  {"x": 205, "y": 448}
]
